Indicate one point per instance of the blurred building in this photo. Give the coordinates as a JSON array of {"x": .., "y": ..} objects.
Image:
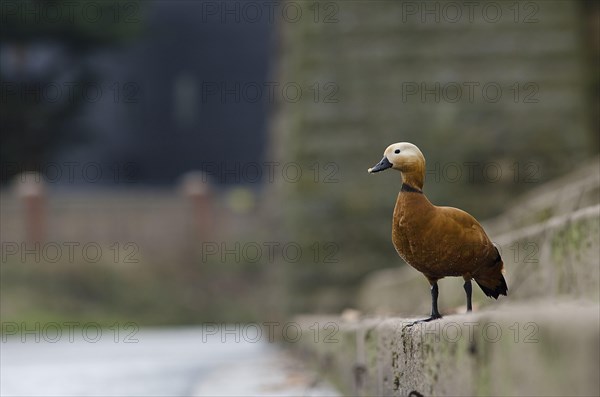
[{"x": 168, "y": 89}]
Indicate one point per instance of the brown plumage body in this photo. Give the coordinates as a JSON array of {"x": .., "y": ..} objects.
[
  {"x": 444, "y": 241},
  {"x": 439, "y": 241}
]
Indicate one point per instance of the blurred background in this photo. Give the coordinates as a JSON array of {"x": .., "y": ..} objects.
[
  {"x": 184, "y": 162},
  {"x": 188, "y": 145},
  {"x": 164, "y": 125}
]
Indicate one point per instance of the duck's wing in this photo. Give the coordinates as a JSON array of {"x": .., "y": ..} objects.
[
  {"x": 464, "y": 237},
  {"x": 463, "y": 222},
  {"x": 481, "y": 257}
]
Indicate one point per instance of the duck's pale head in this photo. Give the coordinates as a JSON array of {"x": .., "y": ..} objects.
[{"x": 406, "y": 158}]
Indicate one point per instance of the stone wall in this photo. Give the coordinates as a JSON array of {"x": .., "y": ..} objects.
[{"x": 517, "y": 350}]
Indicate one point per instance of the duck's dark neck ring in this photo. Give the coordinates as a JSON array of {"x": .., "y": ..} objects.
[{"x": 408, "y": 188}]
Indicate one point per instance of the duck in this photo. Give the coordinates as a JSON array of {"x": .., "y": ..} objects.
[{"x": 439, "y": 241}]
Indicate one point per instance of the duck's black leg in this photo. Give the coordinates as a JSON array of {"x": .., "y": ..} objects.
[
  {"x": 434, "y": 300},
  {"x": 435, "y": 314},
  {"x": 468, "y": 290}
]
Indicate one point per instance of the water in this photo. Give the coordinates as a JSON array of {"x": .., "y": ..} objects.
[{"x": 163, "y": 362}]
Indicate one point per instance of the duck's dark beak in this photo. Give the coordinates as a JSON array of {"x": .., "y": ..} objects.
[{"x": 384, "y": 164}]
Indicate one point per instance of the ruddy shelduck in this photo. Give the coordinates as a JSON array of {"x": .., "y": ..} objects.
[{"x": 439, "y": 241}]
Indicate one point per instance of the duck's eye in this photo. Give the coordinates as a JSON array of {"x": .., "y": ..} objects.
[{"x": 397, "y": 151}]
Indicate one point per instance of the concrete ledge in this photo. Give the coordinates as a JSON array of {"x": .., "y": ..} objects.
[
  {"x": 533, "y": 349},
  {"x": 579, "y": 189},
  {"x": 555, "y": 258}
]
